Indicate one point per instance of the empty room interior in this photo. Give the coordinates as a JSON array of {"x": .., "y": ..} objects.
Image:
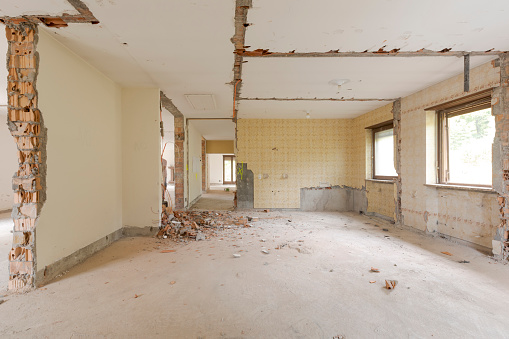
[{"x": 254, "y": 169}]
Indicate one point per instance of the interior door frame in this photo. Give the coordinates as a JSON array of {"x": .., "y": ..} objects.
[{"x": 232, "y": 157}]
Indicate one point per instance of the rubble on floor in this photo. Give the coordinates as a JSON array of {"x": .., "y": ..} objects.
[{"x": 198, "y": 225}]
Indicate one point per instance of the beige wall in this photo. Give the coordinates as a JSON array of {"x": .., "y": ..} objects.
[
  {"x": 215, "y": 166},
  {"x": 467, "y": 215},
  {"x": 220, "y": 147},
  {"x": 141, "y": 157},
  {"x": 308, "y": 151},
  {"x": 82, "y": 111},
  {"x": 9, "y": 166},
  {"x": 194, "y": 169}
]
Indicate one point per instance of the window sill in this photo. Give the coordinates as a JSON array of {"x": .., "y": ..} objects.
[
  {"x": 463, "y": 188},
  {"x": 382, "y": 181}
]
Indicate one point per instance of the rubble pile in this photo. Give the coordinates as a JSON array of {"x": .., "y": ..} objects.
[{"x": 198, "y": 225}]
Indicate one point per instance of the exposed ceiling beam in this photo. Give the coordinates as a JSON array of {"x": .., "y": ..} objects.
[
  {"x": 315, "y": 99},
  {"x": 264, "y": 53},
  {"x": 170, "y": 107},
  {"x": 238, "y": 40}
]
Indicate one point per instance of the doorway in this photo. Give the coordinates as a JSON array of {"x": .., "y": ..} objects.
[{"x": 229, "y": 172}]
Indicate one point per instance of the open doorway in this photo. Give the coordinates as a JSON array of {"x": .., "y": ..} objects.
[{"x": 218, "y": 173}]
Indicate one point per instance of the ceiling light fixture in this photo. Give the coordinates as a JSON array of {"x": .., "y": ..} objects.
[{"x": 338, "y": 82}]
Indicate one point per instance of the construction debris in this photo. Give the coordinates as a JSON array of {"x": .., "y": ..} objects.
[
  {"x": 390, "y": 284},
  {"x": 198, "y": 225},
  {"x": 376, "y": 270}
]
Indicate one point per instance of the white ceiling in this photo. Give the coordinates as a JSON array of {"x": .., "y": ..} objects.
[
  {"x": 215, "y": 129},
  {"x": 184, "y": 47},
  {"x": 36, "y": 7},
  {"x": 323, "y": 25},
  {"x": 297, "y": 109}
]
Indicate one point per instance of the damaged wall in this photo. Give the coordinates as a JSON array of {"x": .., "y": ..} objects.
[
  {"x": 84, "y": 186},
  {"x": 141, "y": 157},
  {"x": 465, "y": 214}
]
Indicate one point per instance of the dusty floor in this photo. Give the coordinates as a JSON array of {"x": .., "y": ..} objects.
[
  {"x": 316, "y": 286},
  {"x": 6, "y": 226},
  {"x": 216, "y": 199}
]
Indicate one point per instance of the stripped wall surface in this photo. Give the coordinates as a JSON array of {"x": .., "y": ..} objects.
[{"x": 468, "y": 215}]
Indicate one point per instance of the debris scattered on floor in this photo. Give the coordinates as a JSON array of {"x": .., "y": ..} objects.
[
  {"x": 390, "y": 284},
  {"x": 137, "y": 295},
  {"x": 376, "y": 270},
  {"x": 446, "y": 253},
  {"x": 168, "y": 251},
  {"x": 265, "y": 251},
  {"x": 235, "y": 255},
  {"x": 385, "y": 229},
  {"x": 266, "y": 211},
  {"x": 464, "y": 262},
  {"x": 172, "y": 282},
  {"x": 1, "y": 301},
  {"x": 198, "y": 225}
]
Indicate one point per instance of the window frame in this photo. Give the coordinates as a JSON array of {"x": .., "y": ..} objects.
[
  {"x": 376, "y": 129},
  {"x": 445, "y": 112}
]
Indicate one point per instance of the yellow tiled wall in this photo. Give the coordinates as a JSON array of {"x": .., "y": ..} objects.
[
  {"x": 381, "y": 198},
  {"x": 307, "y": 151}
]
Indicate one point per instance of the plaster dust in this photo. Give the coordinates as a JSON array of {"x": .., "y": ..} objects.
[{"x": 316, "y": 286}]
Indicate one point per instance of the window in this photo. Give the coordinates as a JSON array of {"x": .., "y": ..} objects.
[
  {"x": 383, "y": 152},
  {"x": 465, "y": 137}
]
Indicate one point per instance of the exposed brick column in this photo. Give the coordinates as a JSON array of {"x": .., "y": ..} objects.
[
  {"x": 26, "y": 126},
  {"x": 179, "y": 162},
  {"x": 500, "y": 109},
  {"x": 396, "y": 113},
  {"x": 203, "y": 164}
]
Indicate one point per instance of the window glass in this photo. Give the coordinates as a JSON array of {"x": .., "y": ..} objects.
[
  {"x": 384, "y": 153},
  {"x": 470, "y": 139}
]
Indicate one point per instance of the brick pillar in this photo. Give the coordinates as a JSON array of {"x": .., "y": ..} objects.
[
  {"x": 396, "y": 113},
  {"x": 26, "y": 126},
  {"x": 203, "y": 164},
  {"x": 179, "y": 162},
  {"x": 500, "y": 109}
]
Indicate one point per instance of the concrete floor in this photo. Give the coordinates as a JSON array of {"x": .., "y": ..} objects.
[
  {"x": 6, "y": 226},
  {"x": 317, "y": 285},
  {"x": 216, "y": 198}
]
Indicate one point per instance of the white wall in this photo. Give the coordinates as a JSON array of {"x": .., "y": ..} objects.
[
  {"x": 81, "y": 109},
  {"x": 141, "y": 157},
  {"x": 9, "y": 161},
  {"x": 215, "y": 165},
  {"x": 194, "y": 174}
]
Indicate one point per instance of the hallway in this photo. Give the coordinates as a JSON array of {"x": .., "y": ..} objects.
[{"x": 216, "y": 199}]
